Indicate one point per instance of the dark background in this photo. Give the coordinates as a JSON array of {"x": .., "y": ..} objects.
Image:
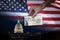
[{"x": 7, "y": 25}]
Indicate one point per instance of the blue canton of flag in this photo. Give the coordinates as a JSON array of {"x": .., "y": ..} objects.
[
  {"x": 13, "y": 6},
  {"x": 9, "y": 12}
]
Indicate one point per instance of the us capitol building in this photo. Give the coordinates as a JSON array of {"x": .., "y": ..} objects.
[
  {"x": 18, "y": 27},
  {"x": 20, "y": 35}
]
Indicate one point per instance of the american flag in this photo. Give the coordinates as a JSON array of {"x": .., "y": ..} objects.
[
  {"x": 10, "y": 10},
  {"x": 51, "y": 14},
  {"x": 8, "y": 6}
]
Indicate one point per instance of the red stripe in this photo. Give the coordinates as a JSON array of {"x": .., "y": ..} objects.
[
  {"x": 47, "y": 25},
  {"x": 45, "y": 19},
  {"x": 50, "y": 5},
  {"x": 57, "y": 3},
  {"x": 47, "y": 6},
  {"x": 50, "y": 12},
  {"x": 40, "y": 4},
  {"x": 21, "y": 17},
  {"x": 51, "y": 25},
  {"x": 58, "y": 0},
  {"x": 55, "y": 7},
  {"x": 51, "y": 19}
]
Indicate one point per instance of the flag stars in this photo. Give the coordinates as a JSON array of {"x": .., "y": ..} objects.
[
  {"x": 25, "y": 10},
  {"x": 24, "y": 1},
  {"x": 0, "y": 8},
  {"x": 2, "y": 2},
  {"x": 22, "y": 7},
  {"x": 14, "y": 0},
  {"x": 13, "y": 5},
  {"x": 10, "y": 9},
  {"x": 5, "y": 8},
  {"x": 17, "y": 3},
  {"x": 14, "y": 8},
  {"x": 5, "y": 4},
  {"x": 17, "y": 6},
  {"x": 9, "y": 0},
  {"x": 25, "y": 5},
  {"x": 9, "y": 4}
]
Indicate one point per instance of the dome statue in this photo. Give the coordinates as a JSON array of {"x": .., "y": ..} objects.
[{"x": 18, "y": 27}]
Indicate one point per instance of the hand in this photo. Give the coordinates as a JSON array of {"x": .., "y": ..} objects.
[{"x": 34, "y": 10}]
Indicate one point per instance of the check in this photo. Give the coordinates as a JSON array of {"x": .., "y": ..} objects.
[{"x": 29, "y": 21}]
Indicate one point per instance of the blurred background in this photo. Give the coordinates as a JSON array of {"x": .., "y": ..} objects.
[{"x": 10, "y": 13}]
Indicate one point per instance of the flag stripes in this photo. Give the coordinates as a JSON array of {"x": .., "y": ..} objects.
[
  {"x": 48, "y": 22},
  {"x": 51, "y": 14}
]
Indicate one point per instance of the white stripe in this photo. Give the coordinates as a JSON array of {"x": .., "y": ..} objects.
[
  {"x": 50, "y": 15},
  {"x": 25, "y": 14},
  {"x": 57, "y": 1},
  {"x": 35, "y": 2},
  {"x": 51, "y": 22},
  {"x": 51, "y": 9},
  {"x": 47, "y": 9},
  {"x": 54, "y": 4},
  {"x": 13, "y": 13}
]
